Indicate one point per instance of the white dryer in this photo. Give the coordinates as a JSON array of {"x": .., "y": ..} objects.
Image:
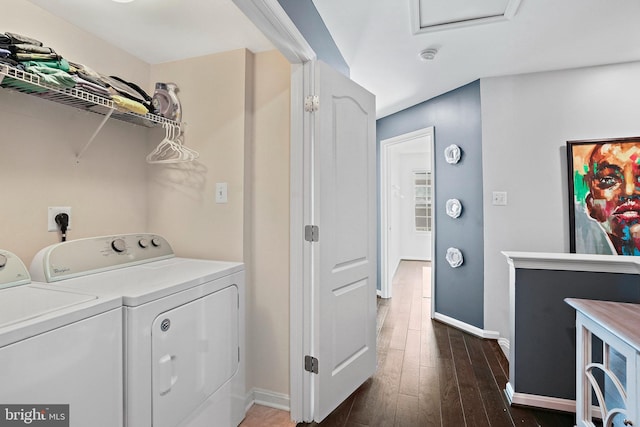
[
  {"x": 183, "y": 325},
  {"x": 58, "y": 347}
]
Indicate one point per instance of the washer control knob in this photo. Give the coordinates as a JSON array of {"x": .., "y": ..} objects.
[
  {"x": 118, "y": 245},
  {"x": 143, "y": 243},
  {"x": 3, "y": 260},
  {"x": 156, "y": 242}
]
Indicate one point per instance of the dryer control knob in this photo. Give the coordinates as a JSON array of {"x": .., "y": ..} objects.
[
  {"x": 118, "y": 245},
  {"x": 156, "y": 242},
  {"x": 143, "y": 243},
  {"x": 3, "y": 260}
]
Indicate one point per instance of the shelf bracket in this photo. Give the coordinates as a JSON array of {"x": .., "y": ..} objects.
[{"x": 102, "y": 123}]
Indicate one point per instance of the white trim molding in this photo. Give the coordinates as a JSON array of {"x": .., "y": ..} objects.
[
  {"x": 473, "y": 330},
  {"x": 267, "y": 398},
  {"x": 418, "y": 28},
  {"x": 535, "y": 401},
  {"x": 573, "y": 262},
  {"x": 270, "y": 18},
  {"x": 273, "y": 21},
  {"x": 505, "y": 346},
  {"x": 553, "y": 403},
  {"x": 385, "y": 274}
]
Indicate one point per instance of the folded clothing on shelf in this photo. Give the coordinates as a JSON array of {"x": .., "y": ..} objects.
[
  {"x": 30, "y": 55},
  {"x": 25, "y": 48},
  {"x": 90, "y": 86},
  {"x": 128, "y": 90},
  {"x": 79, "y": 68},
  {"x": 61, "y": 64},
  {"x": 11, "y": 62},
  {"x": 128, "y": 105},
  {"x": 37, "y": 56},
  {"x": 30, "y": 48},
  {"x": 15, "y": 38},
  {"x": 52, "y": 76},
  {"x": 22, "y": 86}
]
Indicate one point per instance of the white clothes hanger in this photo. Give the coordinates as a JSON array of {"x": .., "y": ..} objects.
[{"x": 172, "y": 149}]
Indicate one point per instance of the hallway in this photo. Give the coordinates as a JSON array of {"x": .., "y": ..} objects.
[{"x": 430, "y": 374}]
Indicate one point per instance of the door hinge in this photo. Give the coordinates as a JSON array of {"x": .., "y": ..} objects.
[
  {"x": 311, "y": 364},
  {"x": 311, "y": 103},
  {"x": 311, "y": 233}
]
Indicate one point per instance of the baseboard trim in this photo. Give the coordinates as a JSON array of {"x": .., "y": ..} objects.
[
  {"x": 504, "y": 346},
  {"x": 473, "y": 330},
  {"x": 535, "y": 401},
  {"x": 268, "y": 398}
]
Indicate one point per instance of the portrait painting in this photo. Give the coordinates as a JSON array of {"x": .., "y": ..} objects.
[{"x": 604, "y": 196}]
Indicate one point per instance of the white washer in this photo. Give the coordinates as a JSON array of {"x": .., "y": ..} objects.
[
  {"x": 183, "y": 325},
  {"x": 58, "y": 347}
]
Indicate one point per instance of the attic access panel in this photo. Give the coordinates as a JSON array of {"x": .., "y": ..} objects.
[{"x": 438, "y": 15}]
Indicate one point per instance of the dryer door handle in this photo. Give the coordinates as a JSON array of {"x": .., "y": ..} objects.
[{"x": 167, "y": 373}]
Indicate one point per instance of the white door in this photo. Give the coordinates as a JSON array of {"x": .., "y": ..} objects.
[{"x": 344, "y": 257}]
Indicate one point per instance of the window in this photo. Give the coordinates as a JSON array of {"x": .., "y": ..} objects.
[{"x": 422, "y": 200}]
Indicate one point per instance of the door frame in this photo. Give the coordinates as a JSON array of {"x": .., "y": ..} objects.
[
  {"x": 270, "y": 18},
  {"x": 385, "y": 282}
]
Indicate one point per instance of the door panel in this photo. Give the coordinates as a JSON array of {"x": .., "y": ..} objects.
[
  {"x": 344, "y": 260},
  {"x": 348, "y": 182},
  {"x": 350, "y": 326}
]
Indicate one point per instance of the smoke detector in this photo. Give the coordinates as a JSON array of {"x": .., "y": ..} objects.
[{"x": 428, "y": 54}]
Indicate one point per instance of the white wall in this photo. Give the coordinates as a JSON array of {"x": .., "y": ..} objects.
[
  {"x": 268, "y": 300},
  {"x": 107, "y": 189},
  {"x": 413, "y": 245},
  {"x": 404, "y": 155},
  {"x": 213, "y": 90},
  {"x": 526, "y": 121},
  {"x": 395, "y": 198}
]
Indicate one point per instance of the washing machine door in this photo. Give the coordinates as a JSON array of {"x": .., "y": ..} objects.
[{"x": 195, "y": 351}]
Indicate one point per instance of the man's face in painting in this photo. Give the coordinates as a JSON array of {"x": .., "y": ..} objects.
[{"x": 614, "y": 199}]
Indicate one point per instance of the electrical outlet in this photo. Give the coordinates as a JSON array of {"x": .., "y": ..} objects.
[{"x": 51, "y": 217}]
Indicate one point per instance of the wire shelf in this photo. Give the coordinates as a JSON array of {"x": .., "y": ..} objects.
[{"x": 31, "y": 84}]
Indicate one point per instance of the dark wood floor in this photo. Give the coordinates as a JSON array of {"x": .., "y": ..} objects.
[{"x": 430, "y": 374}]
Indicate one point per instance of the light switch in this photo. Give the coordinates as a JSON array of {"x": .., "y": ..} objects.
[
  {"x": 499, "y": 198},
  {"x": 221, "y": 192}
]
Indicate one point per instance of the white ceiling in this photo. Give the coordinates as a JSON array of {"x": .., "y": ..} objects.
[
  {"x": 377, "y": 41},
  {"x": 376, "y": 38},
  {"x": 163, "y": 30}
]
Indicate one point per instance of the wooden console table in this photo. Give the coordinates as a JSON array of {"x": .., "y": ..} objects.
[{"x": 607, "y": 362}]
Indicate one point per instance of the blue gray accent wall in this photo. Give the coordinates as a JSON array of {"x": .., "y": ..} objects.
[
  {"x": 306, "y": 18},
  {"x": 544, "y": 353},
  {"x": 456, "y": 118}
]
